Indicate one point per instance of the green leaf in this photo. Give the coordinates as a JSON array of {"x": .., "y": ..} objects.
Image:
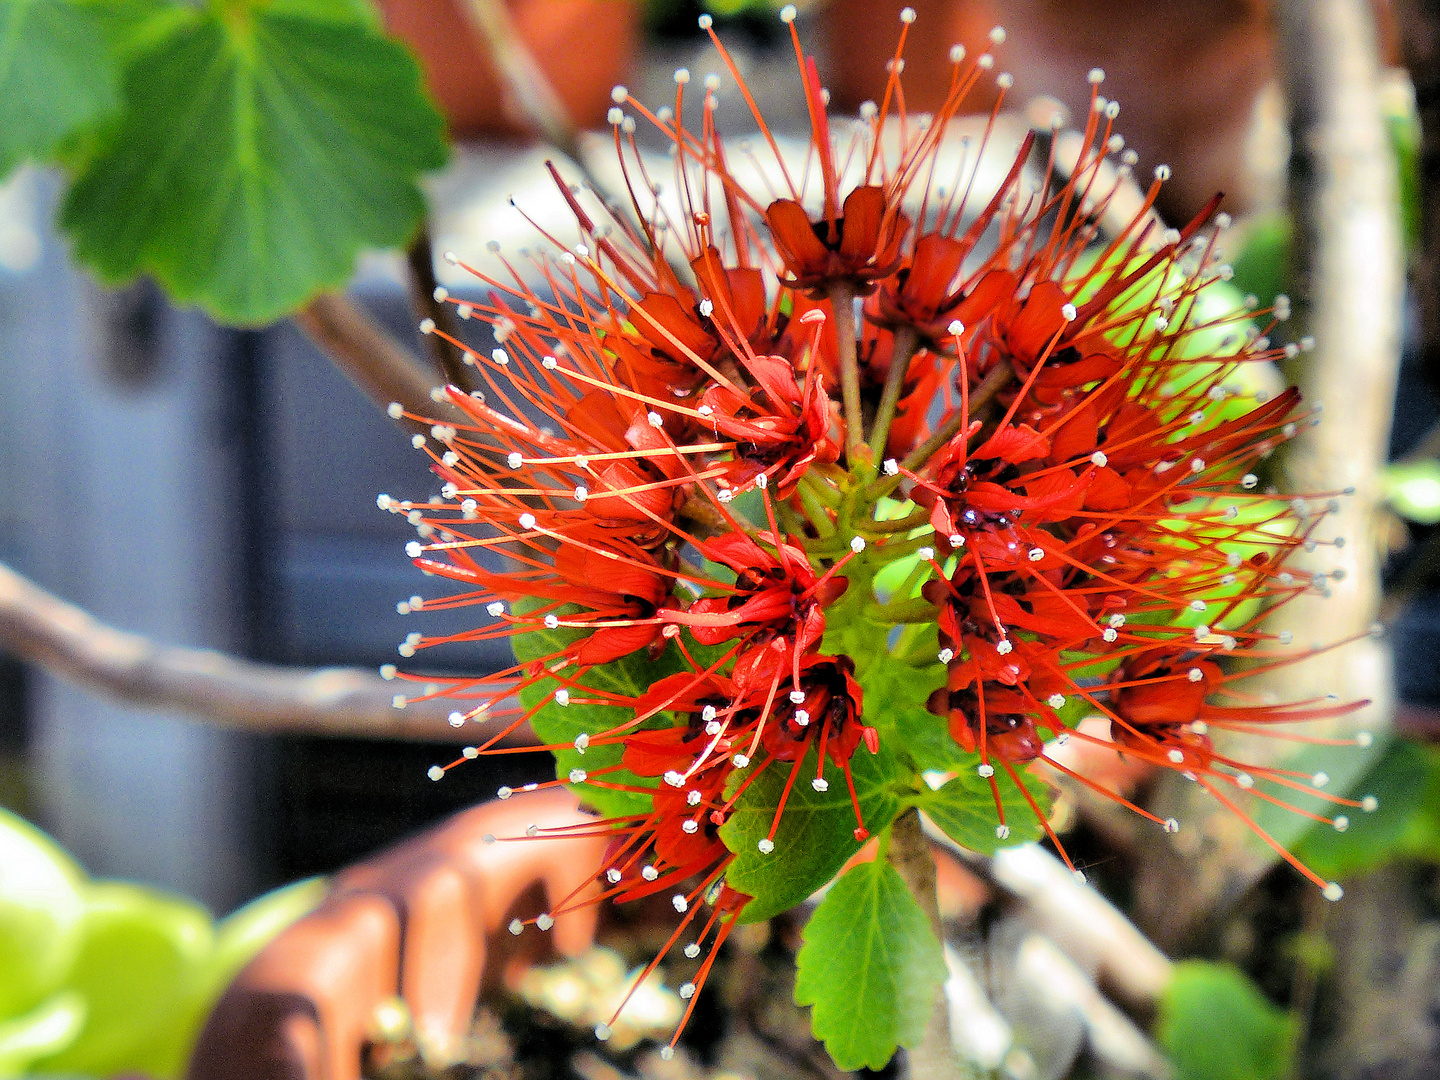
[
  {"x": 965, "y": 809},
  {"x": 56, "y": 76},
  {"x": 261, "y": 149},
  {"x": 41, "y": 913},
  {"x": 142, "y": 954},
  {"x": 238, "y": 938},
  {"x": 1405, "y": 782},
  {"x": 1413, "y": 489},
  {"x": 817, "y": 830},
  {"x": 45, "y": 1030},
  {"x": 870, "y": 967},
  {"x": 924, "y": 737},
  {"x": 1215, "y": 1025},
  {"x": 629, "y": 676}
]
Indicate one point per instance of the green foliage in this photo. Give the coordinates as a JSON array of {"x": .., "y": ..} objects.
[
  {"x": 237, "y": 939},
  {"x": 139, "y": 956},
  {"x": 41, "y": 909},
  {"x": 57, "y": 76},
  {"x": 1405, "y": 781},
  {"x": 869, "y": 967},
  {"x": 48, "y": 1027},
  {"x": 262, "y": 147},
  {"x": 815, "y": 837},
  {"x": 965, "y": 809},
  {"x": 1215, "y": 1025},
  {"x": 1413, "y": 489},
  {"x": 559, "y": 725},
  {"x": 115, "y": 978}
]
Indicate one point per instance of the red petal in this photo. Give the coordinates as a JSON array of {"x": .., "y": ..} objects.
[
  {"x": 863, "y": 215},
  {"x": 795, "y": 238}
]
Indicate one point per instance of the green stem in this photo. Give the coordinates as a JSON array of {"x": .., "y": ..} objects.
[
  {"x": 934, "y": 1058},
  {"x": 899, "y": 525},
  {"x": 907, "y": 343},
  {"x": 980, "y": 399},
  {"x": 842, "y": 304},
  {"x": 903, "y": 611},
  {"x": 815, "y": 511}
]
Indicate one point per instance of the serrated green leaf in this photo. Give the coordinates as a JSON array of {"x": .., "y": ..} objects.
[
  {"x": 923, "y": 737},
  {"x": 1215, "y": 1025},
  {"x": 965, "y": 809},
  {"x": 57, "y": 76},
  {"x": 870, "y": 967},
  {"x": 629, "y": 676},
  {"x": 816, "y": 833},
  {"x": 261, "y": 149}
]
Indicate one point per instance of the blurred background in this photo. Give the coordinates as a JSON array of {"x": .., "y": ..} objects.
[{"x": 213, "y": 486}]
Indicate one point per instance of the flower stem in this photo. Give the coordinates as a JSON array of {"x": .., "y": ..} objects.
[
  {"x": 999, "y": 378},
  {"x": 842, "y": 304},
  {"x": 934, "y": 1058},
  {"x": 907, "y": 342}
]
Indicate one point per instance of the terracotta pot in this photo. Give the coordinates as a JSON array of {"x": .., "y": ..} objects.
[{"x": 585, "y": 47}]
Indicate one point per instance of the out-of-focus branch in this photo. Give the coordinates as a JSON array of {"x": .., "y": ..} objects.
[
  {"x": 420, "y": 258},
  {"x": 530, "y": 91},
  {"x": 374, "y": 361},
  {"x": 1419, "y": 35},
  {"x": 210, "y": 686},
  {"x": 1081, "y": 922}
]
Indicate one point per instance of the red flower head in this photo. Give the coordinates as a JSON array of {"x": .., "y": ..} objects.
[{"x": 1036, "y": 498}]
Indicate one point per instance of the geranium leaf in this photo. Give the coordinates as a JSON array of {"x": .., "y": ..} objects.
[
  {"x": 869, "y": 967},
  {"x": 816, "y": 833},
  {"x": 262, "y": 147},
  {"x": 965, "y": 809},
  {"x": 57, "y": 76}
]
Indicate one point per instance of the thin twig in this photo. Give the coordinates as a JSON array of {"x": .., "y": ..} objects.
[
  {"x": 530, "y": 91},
  {"x": 420, "y": 258},
  {"x": 369, "y": 357},
  {"x": 210, "y": 686}
]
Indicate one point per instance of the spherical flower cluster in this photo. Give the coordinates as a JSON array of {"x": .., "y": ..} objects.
[{"x": 755, "y": 451}]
